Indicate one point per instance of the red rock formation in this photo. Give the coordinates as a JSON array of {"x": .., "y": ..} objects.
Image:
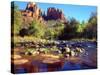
[
  {"x": 54, "y": 14},
  {"x": 33, "y": 12}
]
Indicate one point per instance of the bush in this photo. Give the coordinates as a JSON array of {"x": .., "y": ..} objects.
[{"x": 16, "y": 19}]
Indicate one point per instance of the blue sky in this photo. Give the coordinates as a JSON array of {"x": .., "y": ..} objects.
[{"x": 79, "y": 12}]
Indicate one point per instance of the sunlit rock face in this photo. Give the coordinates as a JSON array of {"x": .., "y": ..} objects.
[
  {"x": 31, "y": 6},
  {"x": 31, "y": 12}
]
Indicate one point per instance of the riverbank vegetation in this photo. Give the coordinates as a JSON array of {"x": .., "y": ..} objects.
[{"x": 72, "y": 29}]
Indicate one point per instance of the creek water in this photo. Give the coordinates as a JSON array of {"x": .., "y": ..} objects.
[{"x": 88, "y": 61}]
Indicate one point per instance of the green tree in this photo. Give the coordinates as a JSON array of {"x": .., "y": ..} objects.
[
  {"x": 90, "y": 31},
  {"x": 49, "y": 34},
  {"x": 70, "y": 30},
  {"x": 54, "y": 31},
  {"x": 37, "y": 29},
  {"x": 16, "y": 18}
]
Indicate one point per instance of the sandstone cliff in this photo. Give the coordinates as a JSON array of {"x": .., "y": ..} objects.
[
  {"x": 32, "y": 12},
  {"x": 54, "y": 14}
]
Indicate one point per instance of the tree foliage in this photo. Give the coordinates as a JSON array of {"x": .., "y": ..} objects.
[
  {"x": 70, "y": 29},
  {"x": 90, "y": 31},
  {"x": 37, "y": 29},
  {"x": 55, "y": 31},
  {"x": 16, "y": 19}
]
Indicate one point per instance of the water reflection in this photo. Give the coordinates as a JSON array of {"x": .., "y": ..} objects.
[
  {"x": 21, "y": 70},
  {"x": 89, "y": 61},
  {"x": 41, "y": 67},
  {"x": 71, "y": 66}
]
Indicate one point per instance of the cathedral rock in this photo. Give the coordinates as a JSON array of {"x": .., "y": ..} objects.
[
  {"x": 32, "y": 12},
  {"x": 54, "y": 14}
]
